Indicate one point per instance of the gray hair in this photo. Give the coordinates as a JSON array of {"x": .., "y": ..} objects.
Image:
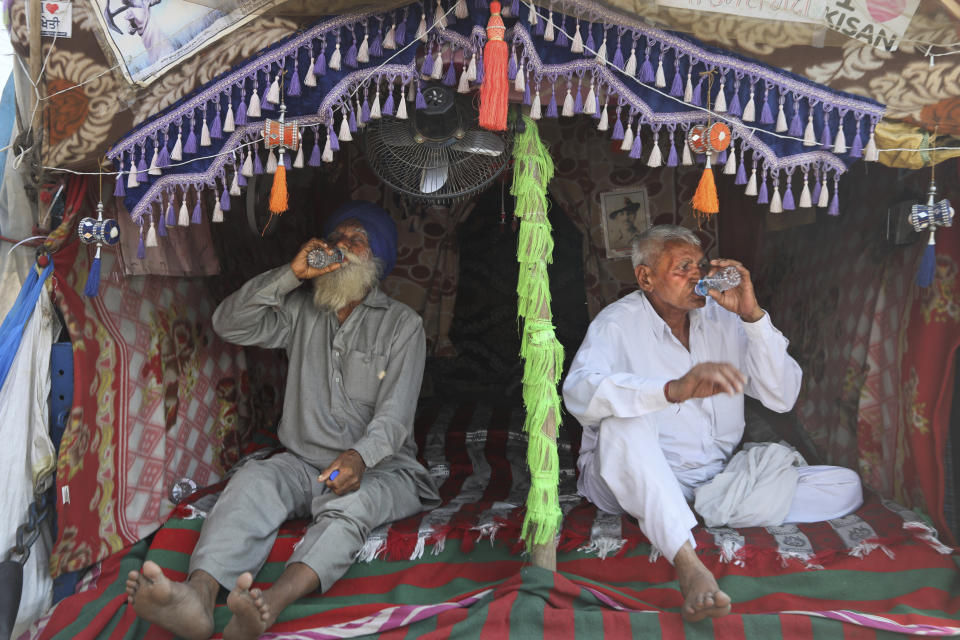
[{"x": 648, "y": 246}]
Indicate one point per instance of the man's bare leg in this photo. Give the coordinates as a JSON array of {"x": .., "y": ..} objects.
[
  {"x": 702, "y": 597},
  {"x": 255, "y": 611},
  {"x": 183, "y": 608}
]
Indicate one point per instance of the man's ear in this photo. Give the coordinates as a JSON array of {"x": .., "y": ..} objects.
[{"x": 643, "y": 274}]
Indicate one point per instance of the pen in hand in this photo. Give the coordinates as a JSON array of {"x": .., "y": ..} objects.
[{"x": 333, "y": 476}]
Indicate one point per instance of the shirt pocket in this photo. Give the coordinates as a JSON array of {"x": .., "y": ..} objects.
[{"x": 362, "y": 373}]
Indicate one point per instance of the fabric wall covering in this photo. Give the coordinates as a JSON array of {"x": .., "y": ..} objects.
[{"x": 344, "y": 56}]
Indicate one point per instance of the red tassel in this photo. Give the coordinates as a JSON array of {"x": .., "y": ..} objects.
[
  {"x": 278, "y": 193},
  {"x": 495, "y": 91}
]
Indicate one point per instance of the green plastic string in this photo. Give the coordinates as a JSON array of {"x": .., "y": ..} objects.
[{"x": 541, "y": 351}]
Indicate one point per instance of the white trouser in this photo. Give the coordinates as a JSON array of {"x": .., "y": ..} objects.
[{"x": 628, "y": 473}]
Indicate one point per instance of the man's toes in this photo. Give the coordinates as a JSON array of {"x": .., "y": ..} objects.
[
  {"x": 721, "y": 599},
  {"x": 245, "y": 581},
  {"x": 151, "y": 570}
]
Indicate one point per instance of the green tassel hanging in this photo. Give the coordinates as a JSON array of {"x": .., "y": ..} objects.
[{"x": 541, "y": 351}]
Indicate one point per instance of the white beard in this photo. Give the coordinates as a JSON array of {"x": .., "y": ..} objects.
[{"x": 335, "y": 290}]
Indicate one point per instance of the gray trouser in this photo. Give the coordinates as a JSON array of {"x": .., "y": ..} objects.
[{"x": 242, "y": 526}]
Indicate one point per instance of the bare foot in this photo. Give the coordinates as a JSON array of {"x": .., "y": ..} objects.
[
  {"x": 174, "y": 606},
  {"x": 702, "y": 597},
  {"x": 251, "y": 613}
]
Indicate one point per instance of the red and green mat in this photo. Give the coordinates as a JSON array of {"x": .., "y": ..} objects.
[{"x": 491, "y": 592}]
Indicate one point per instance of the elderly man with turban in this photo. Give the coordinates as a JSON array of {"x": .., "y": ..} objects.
[{"x": 356, "y": 363}]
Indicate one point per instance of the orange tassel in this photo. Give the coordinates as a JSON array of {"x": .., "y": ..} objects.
[
  {"x": 279, "y": 201},
  {"x": 495, "y": 91},
  {"x": 705, "y": 202}
]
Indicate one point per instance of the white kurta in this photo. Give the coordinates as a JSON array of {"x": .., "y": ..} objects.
[{"x": 641, "y": 454}]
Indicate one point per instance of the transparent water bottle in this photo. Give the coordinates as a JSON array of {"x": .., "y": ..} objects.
[
  {"x": 725, "y": 278},
  {"x": 320, "y": 259}
]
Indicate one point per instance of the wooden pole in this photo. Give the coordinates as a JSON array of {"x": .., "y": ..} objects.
[{"x": 545, "y": 555}]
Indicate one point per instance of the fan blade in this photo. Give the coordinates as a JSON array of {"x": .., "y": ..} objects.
[
  {"x": 433, "y": 178},
  {"x": 482, "y": 142}
]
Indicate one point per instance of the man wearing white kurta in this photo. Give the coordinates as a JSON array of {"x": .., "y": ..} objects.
[{"x": 658, "y": 386}]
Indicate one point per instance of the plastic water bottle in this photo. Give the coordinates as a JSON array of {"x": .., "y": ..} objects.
[
  {"x": 725, "y": 278},
  {"x": 319, "y": 259}
]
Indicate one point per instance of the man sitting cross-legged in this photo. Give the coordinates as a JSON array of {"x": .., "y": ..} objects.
[
  {"x": 658, "y": 386},
  {"x": 355, "y": 366}
]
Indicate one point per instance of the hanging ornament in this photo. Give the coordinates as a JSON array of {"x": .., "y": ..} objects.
[
  {"x": 707, "y": 139},
  {"x": 102, "y": 232},
  {"x": 282, "y": 136},
  {"x": 495, "y": 90},
  {"x": 928, "y": 217}
]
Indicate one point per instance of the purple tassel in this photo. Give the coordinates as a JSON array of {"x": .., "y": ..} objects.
[
  {"x": 856, "y": 147},
  {"x": 815, "y": 198},
  {"x": 161, "y": 227},
  {"x": 646, "y": 71},
  {"x": 827, "y": 134},
  {"x": 928, "y": 267},
  {"x": 195, "y": 218},
  {"x": 526, "y": 92},
  {"x": 163, "y": 159},
  {"x": 293, "y": 88},
  {"x": 286, "y": 163},
  {"x": 618, "y": 61},
  {"x": 578, "y": 100},
  {"x": 257, "y": 165},
  {"x": 225, "y": 199},
  {"x": 141, "y": 254},
  {"x": 241, "y": 116},
  {"x": 515, "y": 9},
  {"x": 672, "y": 159},
  {"x": 697, "y": 90},
  {"x": 480, "y": 69},
  {"x": 618, "y": 128},
  {"x": 450, "y": 79},
  {"x": 427, "y": 68},
  {"x": 733, "y": 107},
  {"x": 722, "y": 158},
  {"x": 562, "y": 40},
  {"x": 552, "y": 107},
  {"x": 93, "y": 278},
  {"x": 387, "y": 109},
  {"x": 763, "y": 197},
  {"x": 421, "y": 103},
  {"x": 511, "y": 67},
  {"x": 834, "y": 209},
  {"x": 676, "y": 89},
  {"x": 118, "y": 190},
  {"x": 190, "y": 146},
  {"x": 315, "y": 154},
  {"x": 597, "y": 109},
  {"x": 365, "y": 112},
  {"x": 320, "y": 64},
  {"x": 400, "y": 35},
  {"x": 351, "y": 58},
  {"x": 142, "y": 168},
  {"x": 171, "y": 216},
  {"x": 788, "y": 203},
  {"x": 741, "y": 178},
  {"x": 216, "y": 127},
  {"x": 541, "y": 26},
  {"x": 588, "y": 45},
  {"x": 376, "y": 47},
  {"x": 334, "y": 140},
  {"x": 796, "y": 129},
  {"x": 637, "y": 149},
  {"x": 241, "y": 180},
  {"x": 766, "y": 116}
]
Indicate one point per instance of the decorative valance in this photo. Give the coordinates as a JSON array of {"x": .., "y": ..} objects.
[{"x": 567, "y": 58}]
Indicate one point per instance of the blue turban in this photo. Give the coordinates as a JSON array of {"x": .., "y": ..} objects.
[{"x": 381, "y": 231}]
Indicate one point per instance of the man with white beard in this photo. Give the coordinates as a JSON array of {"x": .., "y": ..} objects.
[{"x": 355, "y": 367}]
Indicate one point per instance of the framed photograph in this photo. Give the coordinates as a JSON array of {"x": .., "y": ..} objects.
[{"x": 625, "y": 214}]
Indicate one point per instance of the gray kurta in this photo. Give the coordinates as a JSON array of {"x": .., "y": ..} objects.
[{"x": 348, "y": 387}]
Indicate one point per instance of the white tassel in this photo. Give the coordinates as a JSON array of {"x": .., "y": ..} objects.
[
  {"x": 229, "y": 125},
  {"x": 390, "y": 40},
  {"x": 840, "y": 142},
  {"x": 809, "y": 136},
  {"x": 334, "y": 62},
  {"x": 730, "y": 167},
  {"x": 327, "y": 155},
  {"x": 363, "y": 51},
  {"x": 805, "y": 195},
  {"x": 132, "y": 182},
  {"x": 749, "y": 111},
  {"x": 472, "y": 69},
  {"x": 271, "y": 162},
  {"x": 421, "y": 29},
  {"x": 204, "y": 134},
  {"x": 273, "y": 93},
  {"x": 437, "y": 72},
  {"x": 535, "y": 110},
  {"x": 217, "y": 215},
  {"x": 776, "y": 203},
  {"x": 253, "y": 109},
  {"x": 656, "y": 157},
  {"x": 590, "y": 105},
  {"x": 686, "y": 159},
  {"x": 602, "y": 52},
  {"x": 519, "y": 83},
  {"x": 309, "y": 78},
  {"x": 604, "y": 123},
  {"x": 720, "y": 106},
  {"x": 345, "y": 134},
  {"x": 298, "y": 159},
  {"x": 247, "y": 169},
  {"x": 401, "y": 107},
  {"x": 183, "y": 217},
  {"x": 177, "y": 153},
  {"x": 688, "y": 89},
  {"x": 548, "y": 32},
  {"x": 824, "y": 200},
  {"x": 235, "y": 185},
  {"x": 568, "y": 104},
  {"x": 464, "y": 84},
  {"x": 154, "y": 170},
  {"x": 577, "y": 45},
  {"x": 751, "y": 189},
  {"x": 375, "y": 106},
  {"x": 870, "y": 152},
  {"x": 631, "y": 67},
  {"x": 151, "y": 234},
  {"x": 781, "y": 119},
  {"x": 460, "y": 10},
  {"x": 661, "y": 80},
  {"x": 532, "y": 15},
  {"x": 627, "y": 142},
  {"x": 439, "y": 20}
]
